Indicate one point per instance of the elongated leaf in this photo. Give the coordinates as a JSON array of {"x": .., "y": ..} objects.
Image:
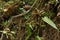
[
  {"x": 50, "y": 22},
  {"x": 28, "y": 26},
  {"x": 38, "y": 38}
]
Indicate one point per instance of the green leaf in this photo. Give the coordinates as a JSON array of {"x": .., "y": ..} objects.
[
  {"x": 10, "y": 2},
  {"x": 38, "y": 38},
  {"x": 6, "y": 23},
  {"x": 50, "y": 22},
  {"x": 28, "y": 26},
  {"x": 4, "y": 32},
  {"x": 27, "y": 16}
]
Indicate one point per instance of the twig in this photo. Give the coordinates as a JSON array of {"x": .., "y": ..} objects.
[{"x": 24, "y": 13}]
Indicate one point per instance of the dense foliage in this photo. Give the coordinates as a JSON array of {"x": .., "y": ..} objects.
[{"x": 26, "y": 19}]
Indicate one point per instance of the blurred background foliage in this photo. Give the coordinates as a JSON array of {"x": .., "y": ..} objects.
[{"x": 26, "y": 19}]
